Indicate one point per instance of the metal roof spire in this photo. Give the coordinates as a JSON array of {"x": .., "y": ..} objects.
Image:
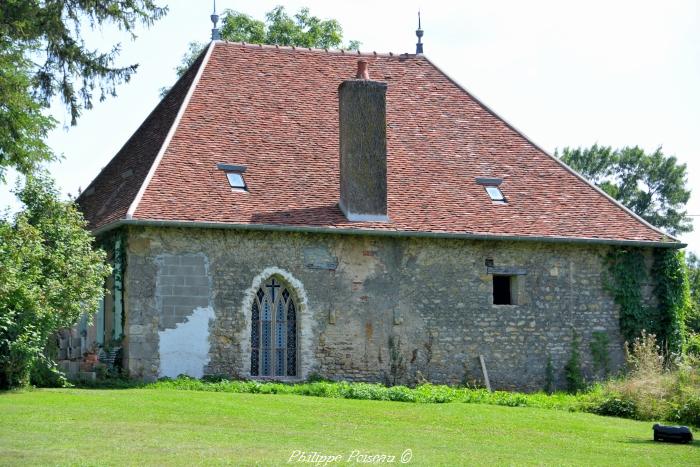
[
  {"x": 419, "y": 34},
  {"x": 215, "y": 34}
]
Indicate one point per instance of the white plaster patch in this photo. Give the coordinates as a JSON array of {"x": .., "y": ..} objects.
[
  {"x": 306, "y": 332},
  {"x": 185, "y": 349}
]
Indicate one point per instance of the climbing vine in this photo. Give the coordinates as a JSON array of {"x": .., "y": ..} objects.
[
  {"x": 673, "y": 296},
  {"x": 627, "y": 275},
  {"x": 626, "y": 280}
]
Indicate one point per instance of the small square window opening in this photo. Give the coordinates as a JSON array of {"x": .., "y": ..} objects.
[
  {"x": 235, "y": 179},
  {"x": 503, "y": 290},
  {"x": 495, "y": 193}
]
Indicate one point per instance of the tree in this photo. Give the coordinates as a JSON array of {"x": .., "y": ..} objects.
[
  {"x": 301, "y": 30},
  {"x": 50, "y": 275},
  {"x": 43, "y": 56},
  {"x": 652, "y": 185},
  {"x": 23, "y": 126}
]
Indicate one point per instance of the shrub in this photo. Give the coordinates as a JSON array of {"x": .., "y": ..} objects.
[
  {"x": 401, "y": 394},
  {"x": 50, "y": 275},
  {"x": 615, "y": 405},
  {"x": 687, "y": 412},
  {"x": 693, "y": 344}
]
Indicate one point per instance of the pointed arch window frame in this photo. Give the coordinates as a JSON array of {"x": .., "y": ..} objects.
[{"x": 273, "y": 292}]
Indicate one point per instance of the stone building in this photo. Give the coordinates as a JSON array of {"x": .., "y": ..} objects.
[{"x": 285, "y": 212}]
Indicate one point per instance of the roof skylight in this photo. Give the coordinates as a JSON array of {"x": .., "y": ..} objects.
[
  {"x": 235, "y": 179},
  {"x": 491, "y": 184},
  {"x": 495, "y": 193},
  {"x": 234, "y": 174}
]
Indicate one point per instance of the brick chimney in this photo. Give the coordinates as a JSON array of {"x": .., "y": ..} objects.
[{"x": 363, "y": 147}]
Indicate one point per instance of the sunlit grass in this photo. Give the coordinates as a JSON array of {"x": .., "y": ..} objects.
[{"x": 167, "y": 427}]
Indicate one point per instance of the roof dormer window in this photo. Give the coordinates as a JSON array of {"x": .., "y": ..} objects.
[{"x": 234, "y": 174}]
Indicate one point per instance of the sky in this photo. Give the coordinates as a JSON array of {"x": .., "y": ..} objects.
[{"x": 570, "y": 73}]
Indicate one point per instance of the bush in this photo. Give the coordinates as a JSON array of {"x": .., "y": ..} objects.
[
  {"x": 50, "y": 275},
  {"x": 688, "y": 412},
  {"x": 615, "y": 405},
  {"x": 693, "y": 344}
]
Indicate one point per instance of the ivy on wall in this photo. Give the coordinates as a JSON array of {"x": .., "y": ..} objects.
[
  {"x": 627, "y": 279},
  {"x": 672, "y": 291},
  {"x": 627, "y": 275}
]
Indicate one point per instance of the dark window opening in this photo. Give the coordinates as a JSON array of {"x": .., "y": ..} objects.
[{"x": 502, "y": 290}]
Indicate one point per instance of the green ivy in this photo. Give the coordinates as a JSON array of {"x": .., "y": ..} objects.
[
  {"x": 627, "y": 275},
  {"x": 626, "y": 280},
  {"x": 672, "y": 291}
]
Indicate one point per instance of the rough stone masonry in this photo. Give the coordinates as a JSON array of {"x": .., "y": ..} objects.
[{"x": 370, "y": 308}]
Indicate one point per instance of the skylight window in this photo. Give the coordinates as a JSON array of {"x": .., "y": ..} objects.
[
  {"x": 235, "y": 179},
  {"x": 234, "y": 175},
  {"x": 495, "y": 193},
  {"x": 491, "y": 185}
]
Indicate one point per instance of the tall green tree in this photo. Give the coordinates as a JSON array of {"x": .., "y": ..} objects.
[
  {"x": 279, "y": 28},
  {"x": 653, "y": 185},
  {"x": 50, "y": 274},
  {"x": 43, "y": 56}
]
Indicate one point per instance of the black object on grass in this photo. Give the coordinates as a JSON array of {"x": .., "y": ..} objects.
[{"x": 672, "y": 434}]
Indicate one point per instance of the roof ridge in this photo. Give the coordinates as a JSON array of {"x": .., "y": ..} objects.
[{"x": 322, "y": 50}]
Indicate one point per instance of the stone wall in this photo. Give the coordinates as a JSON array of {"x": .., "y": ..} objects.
[{"x": 370, "y": 308}]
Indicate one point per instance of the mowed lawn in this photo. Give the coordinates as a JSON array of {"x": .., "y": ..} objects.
[{"x": 169, "y": 427}]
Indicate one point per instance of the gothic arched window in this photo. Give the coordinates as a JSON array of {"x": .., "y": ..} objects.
[{"x": 273, "y": 334}]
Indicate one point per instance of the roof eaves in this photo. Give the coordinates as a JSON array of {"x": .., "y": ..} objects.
[
  {"x": 390, "y": 233},
  {"x": 556, "y": 159},
  {"x": 171, "y": 132}
]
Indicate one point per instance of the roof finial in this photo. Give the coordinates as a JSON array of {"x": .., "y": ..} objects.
[
  {"x": 215, "y": 35},
  {"x": 419, "y": 34}
]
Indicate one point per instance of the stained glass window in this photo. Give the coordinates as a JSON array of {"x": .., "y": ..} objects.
[
  {"x": 274, "y": 332},
  {"x": 291, "y": 339},
  {"x": 255, "y": 339}
]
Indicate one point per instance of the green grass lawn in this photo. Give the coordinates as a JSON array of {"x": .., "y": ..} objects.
[{"x": 167, "y": 427}]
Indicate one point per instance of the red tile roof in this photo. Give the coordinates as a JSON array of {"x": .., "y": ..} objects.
[{"x": 275, "y": 111}]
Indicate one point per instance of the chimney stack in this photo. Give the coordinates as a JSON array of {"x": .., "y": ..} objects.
[{"x": 363, "y": 186}]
